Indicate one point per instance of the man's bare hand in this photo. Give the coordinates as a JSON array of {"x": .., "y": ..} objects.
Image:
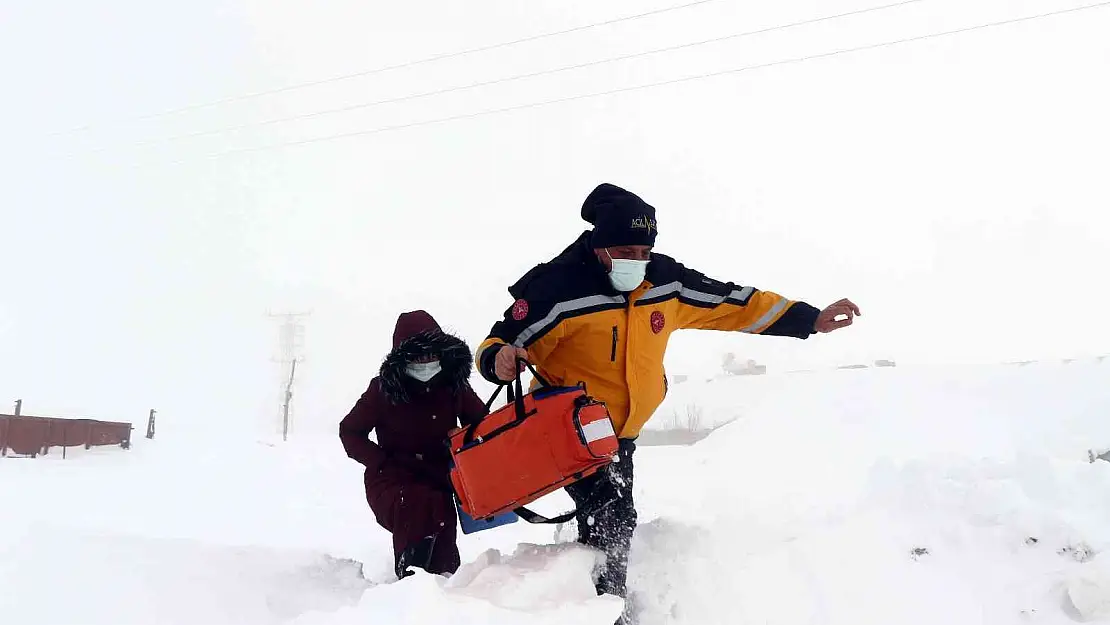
[
  {"x": 828, "y": 320},
  {"x": 505, "y": 363}
]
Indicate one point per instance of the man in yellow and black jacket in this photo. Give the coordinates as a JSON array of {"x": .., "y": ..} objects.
[{"x": 601, "y": 313}]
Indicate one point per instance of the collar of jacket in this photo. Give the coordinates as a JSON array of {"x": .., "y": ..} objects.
[{"x": 579, "y": 259}]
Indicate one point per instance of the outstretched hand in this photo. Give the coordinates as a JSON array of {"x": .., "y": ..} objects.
[{"x": 829, "y": 319}]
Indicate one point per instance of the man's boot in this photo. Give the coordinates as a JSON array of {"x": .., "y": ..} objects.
[{"x": 630, "y": 615}]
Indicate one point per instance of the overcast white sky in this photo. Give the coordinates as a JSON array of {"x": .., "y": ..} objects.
[{"x": 955, "y": 188}]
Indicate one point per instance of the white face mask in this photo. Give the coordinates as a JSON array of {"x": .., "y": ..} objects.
[
  {"x": 423, "y": 371},
  {"x": 627, "y": 275}
]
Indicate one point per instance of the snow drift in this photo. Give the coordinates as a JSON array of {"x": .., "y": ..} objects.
[{"x": 910, "y": 495}]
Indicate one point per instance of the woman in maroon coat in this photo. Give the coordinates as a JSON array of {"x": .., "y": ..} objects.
[{"x": 420, "y": 394}]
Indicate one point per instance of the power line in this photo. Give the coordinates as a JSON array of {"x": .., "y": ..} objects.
[
  {"x": 404, "y": 65},
  {"x": 674, "y": 81},
  {"x": 518, "y": 77}
]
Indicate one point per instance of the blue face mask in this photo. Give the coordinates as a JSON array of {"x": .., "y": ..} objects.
[
  {"x": 423, "y": 371},
  {"x": 627, "y": 275}
]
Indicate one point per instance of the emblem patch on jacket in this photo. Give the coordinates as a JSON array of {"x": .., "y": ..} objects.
[
  {"x": 520, "y": 310},
  {"x": 658, "y": 322}
]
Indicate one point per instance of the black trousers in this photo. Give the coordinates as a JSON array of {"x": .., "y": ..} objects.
[{"x": 607, "y": 517}]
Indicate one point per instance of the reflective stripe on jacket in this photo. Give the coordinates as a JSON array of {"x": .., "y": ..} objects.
[{"x": 578, "y": 329}]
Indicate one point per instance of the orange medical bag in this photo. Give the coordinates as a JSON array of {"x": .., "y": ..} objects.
[{"x": 536, "y": 444}]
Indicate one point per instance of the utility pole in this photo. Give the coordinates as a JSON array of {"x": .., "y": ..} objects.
[
  {"x": 290, "y": 352},
  {"x": 288, "y": 399}
]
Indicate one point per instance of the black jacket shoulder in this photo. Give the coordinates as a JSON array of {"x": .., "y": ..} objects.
[
  {"x": 573, "y": 273},
  {"x": 665, "y": 270}
]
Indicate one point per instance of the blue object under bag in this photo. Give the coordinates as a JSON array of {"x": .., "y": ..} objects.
[{"x": 471, "y": 525}]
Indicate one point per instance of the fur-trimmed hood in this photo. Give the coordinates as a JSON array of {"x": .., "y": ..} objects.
[{"x": 417, "y": 334}]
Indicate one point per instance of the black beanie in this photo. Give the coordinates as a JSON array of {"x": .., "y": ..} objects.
[{"x": 619, "y": 218}]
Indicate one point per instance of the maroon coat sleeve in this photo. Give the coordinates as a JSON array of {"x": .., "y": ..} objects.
[
  {"x": 473, "y": 408},
  {"x": 355, "y": 428}
]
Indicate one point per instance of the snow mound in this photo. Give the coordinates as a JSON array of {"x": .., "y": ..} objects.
[
  {"x": 91, "y": 579},
  {"x": 904, "y": 495},
  {"x": 1089, "y": 593},
  {"x": 930, "y": 541},
  {"x": 960, "y": 496},
  {"x": 540, "y": 584}
]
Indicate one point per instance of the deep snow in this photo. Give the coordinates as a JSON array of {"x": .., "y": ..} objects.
[{"x": 908, "y": 495}]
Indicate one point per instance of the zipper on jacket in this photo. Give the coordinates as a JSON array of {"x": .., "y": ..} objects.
[{"x": 613, "y": 356}]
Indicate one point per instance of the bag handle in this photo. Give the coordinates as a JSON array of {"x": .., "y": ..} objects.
[
  {"x": 536, "y": 518},
  {"x": 517, "y": 384},
  {"x": 516, "y": 381},
  {"x": 539, "y": 519},
  {"x": 515, "y": 396}
]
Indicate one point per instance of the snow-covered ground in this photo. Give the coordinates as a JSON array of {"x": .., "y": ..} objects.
[{"x": 904, "y": 495}]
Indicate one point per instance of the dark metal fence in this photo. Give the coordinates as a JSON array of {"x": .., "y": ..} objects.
[{"x": 31, "y": 436}]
